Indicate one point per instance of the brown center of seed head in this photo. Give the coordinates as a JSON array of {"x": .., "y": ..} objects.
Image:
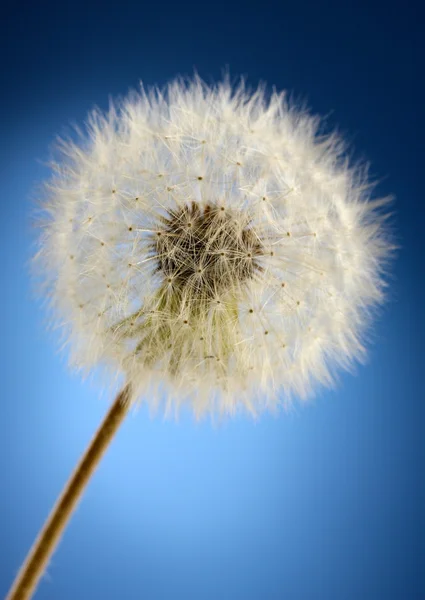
[{"x": 206, "y": 251}]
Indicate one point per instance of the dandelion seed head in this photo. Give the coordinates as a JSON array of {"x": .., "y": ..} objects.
[{"x": 213, "y": 246}]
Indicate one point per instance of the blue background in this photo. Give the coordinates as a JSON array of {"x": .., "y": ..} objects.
[{"x": 326, "y": 502}]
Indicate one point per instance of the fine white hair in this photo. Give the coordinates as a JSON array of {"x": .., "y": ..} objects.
[{"x": 271, "y": 259}]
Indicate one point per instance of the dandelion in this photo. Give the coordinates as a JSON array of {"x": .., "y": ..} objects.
[{"x": 214, "y": 248}]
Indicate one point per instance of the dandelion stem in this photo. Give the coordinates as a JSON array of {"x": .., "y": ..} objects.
[{"x": 43, "y": 547}]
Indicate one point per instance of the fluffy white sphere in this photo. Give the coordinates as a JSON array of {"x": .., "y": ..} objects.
[{"x": 210, "y": 245}]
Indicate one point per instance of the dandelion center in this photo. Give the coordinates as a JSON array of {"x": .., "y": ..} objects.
[{"x": 206, "y": 250}]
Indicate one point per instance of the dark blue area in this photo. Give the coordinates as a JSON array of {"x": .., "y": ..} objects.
[{"x": 326, "y": 503}]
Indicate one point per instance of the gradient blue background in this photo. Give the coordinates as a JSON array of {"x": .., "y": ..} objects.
[{"x": 325, "y": 503}]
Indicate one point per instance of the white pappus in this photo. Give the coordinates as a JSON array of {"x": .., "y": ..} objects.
[{"x": 210, "y": 244}]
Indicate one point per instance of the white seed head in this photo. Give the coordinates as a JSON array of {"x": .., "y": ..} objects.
[{"x": 212, "y": 246}]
